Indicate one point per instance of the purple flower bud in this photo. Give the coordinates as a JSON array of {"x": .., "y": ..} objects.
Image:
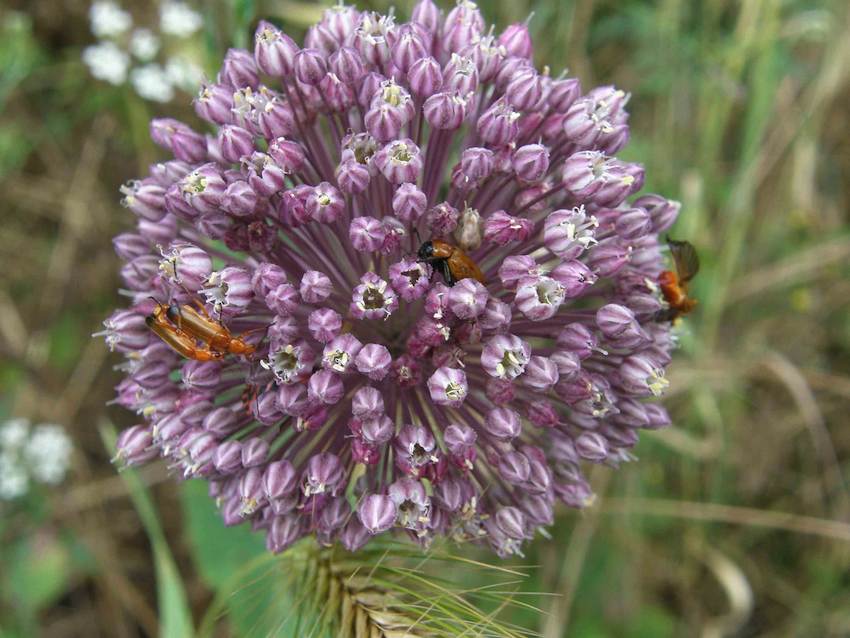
[
  {"x": 235, "y": 142},
  {"x": 126, "y": 331},
  {"x": 186, "y": 265},
  {"x": 238, "y": 70},
  {"x": 525, "y": 90},
  {"x": 517, "y": 40},
  {"x": 323, "y": 475},
  {"x": 325, "y": 203},
  {"x": 279, "y": 480},
  {"x": 367, "y": 403},
  {"x": 502, "y": 423},
  {"x": 539, "y": 298},
  {"x": 353, "y": 178},
  {"x": 505, "y": 356},
  {"x": 407, "y": 49},
  {"x": 459, "y": 438},
  {"x": 633, "y": 223},
  {"x": 201, "y": 375},
  {"x": 220, "y": 422},
  {"x": 354, "y": 535},
  {"x": 409, "y": 203},
  {"x": 425, "y": 77},
  {"x": 501, "y": 228},
  {"x": 274, "y": 51},
  {"x": 265, "y": 408},
  {"x": 290, "y": 363},
  {"x": 283, "y": 532},
  {"x": 442, "y": 219},
  {"x": 514, "y": 468},
  {"x": 292, "y": 399},
  {"x": 347, "y": 64},
  {"x": 498, "y": 125},
  {"x": 134, "y": 446},
  {"x": 541, "y": 374},
  {"x": 531, "y": 162},
  {"x": 239, "y": 199},
  {"x": 373, "y": 360},
  {"x": 496, "y": 317},
  {"x": 315, "y": 287},
  {"x": 287, "y": 154},
  {"x": 384, "y": 121},
  {"x": 591, "y": 447},
  {"x": 641, "y": 377},
  {"x": 229, "y": 290},
  {"x": 377, "y": 431},
  {"x": 366, "y": 234},
  {"x": 214, "y": 103},
  {"x": 476, "y": 164},
  {"x": 410, "y": 279},
  {"x": 608, "y": 258},
  {"x": 562, "y": 94},
  {"x": 144, "y": 198},
  {"x": 130, "y": 245},
  {"x": 310, "y": 66},
  {"x": 267, "y": 277},
  {"x": 445, "y": 111},
  {"x": 339, "y": 354},
  {"x": 468, "y": 298},
  {"x": 152, "y": 373},
  {"x": 324, "y": 324},
  {"x": 574, "y": 276},
  {"x": 373, "y": 298},
  {"x": 254, "y": 452},
  {"x": 662, "y": 211},
  {"x": 426, "y": 14},
  {"x": 400, "y": 161},
  {"x": 448, "y": 386},
  {"x": 227, "y": 458},
  {"x": 325, "y": 387}
]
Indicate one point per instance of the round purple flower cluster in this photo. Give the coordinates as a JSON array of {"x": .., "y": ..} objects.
[{"x": 379, "y": 396}]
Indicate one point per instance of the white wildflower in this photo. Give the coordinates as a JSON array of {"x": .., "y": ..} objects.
[
  {"x": 48, "y": 454},
  {"x": 107, "y": 62},
  {"x": 144, "y": 44},
  {"x": 13, "y": 478},
  {"x": 108, "y": 19},
  {"x": 13, "y": 433},
  {"x": 152, "y": 83},
  {"x": 178, "y": 19},
  {"x": 184, "y": 74}
]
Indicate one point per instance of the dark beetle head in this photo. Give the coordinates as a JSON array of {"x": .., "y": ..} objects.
[{"x": 426, "y": 251}]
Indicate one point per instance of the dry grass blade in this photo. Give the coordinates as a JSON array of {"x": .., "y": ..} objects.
[{"x": 719, "y": 513}]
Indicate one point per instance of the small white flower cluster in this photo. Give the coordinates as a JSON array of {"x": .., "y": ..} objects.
[
  {"x": 39, "y": 454},
  {"x": 124, "y": 52}
]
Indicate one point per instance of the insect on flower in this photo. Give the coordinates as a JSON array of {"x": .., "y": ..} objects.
[
  {"x": 452, "y": 263},
  {"x": 674, "y": 285},
  {"x": 201, "y": 326},
  {"x": 180, "y": 341}
]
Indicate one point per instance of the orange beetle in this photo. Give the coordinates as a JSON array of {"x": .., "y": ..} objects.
[
  {"x": 450, "y": 261},
  {"x": 674, "y": 285},
  {"x": 201, "y": 326},
  {"x": 180, "y": 341}
]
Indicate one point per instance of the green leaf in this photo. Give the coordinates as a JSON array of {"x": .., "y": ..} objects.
[
  {"x": 39, "y": 569},
  {"x": 175, "y": 615},
  {"x": 219, "y": 552}
]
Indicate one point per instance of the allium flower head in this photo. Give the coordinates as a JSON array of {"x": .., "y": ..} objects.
[{"x": 387, "y": 387}]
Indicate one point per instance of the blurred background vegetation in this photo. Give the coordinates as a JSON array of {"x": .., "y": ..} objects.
[{"x": 735, "y": 522}]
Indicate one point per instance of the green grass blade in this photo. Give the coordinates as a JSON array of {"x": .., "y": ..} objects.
[{"x": 175, "y": 616}]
